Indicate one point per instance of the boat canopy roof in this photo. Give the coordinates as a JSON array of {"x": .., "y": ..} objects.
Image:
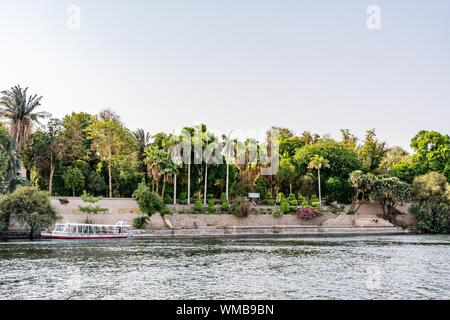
[{"x": 118, "y": 224}]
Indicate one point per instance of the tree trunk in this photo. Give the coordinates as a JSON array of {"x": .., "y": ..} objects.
[
  {"x": 31, "y": 232},
  {"x": 206, "y": 184},
  {"x": 163, "y": 186},
  {"x": 189, "y": 184},
  {"x": 227, "y": 182},
  {"x": 174, "y": 190},
  {"x": 320, "y": 192},
  {"x": 52, "y": 172},
  {"x": 73, "y": 191},
  {"x": 290, "y": 187},
  {"x": 110, "y": 179}
]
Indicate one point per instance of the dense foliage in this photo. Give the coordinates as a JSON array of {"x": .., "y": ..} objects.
[
  {"x": 431, "y": 206},
  {"x": 148, "y": 201},
  {"x": 99, "y": 155},
  {"x": 29, "y": 206}
]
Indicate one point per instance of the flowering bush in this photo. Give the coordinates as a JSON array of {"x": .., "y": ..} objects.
[{"x": 306, "y": 213}]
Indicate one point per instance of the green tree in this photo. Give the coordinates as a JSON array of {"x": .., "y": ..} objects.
[
  {"x": 49, "y": 148},
  {"x": 372, "y": 151},
  {"x": 73, "y": 179},
  {"x": 389, "y": 192},
  {"x": 338, "y": 189},
  {"x": 29, "y": 206},
  {"x": 154, "y": 159},
  {"x": 342, "y": 161},
  {"x": 431, "y": 152},
  {"x": 317, "y": 163},
  {"x": 286, "y": 172},
  {"x": 111, "y": 140},
  {"x": 90, "y": 207},
  {"x": 149, "y": 202},
  {"x": 75, "y": 137},
  {"x": 392, "y": 157},
  {"x": 142, "y": 139},
  {"x": 348, "y": 139},
  {"x": 362, "y": 185},
  {"x": 20, "y": 110},
  {"x": 431, "y": 204},
  {"x": 10, "y": 162},
  {"x": 96, "y": 183}
]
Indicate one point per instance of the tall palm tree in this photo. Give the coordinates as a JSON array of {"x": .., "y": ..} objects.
[
  {"x": 13, "y": 164},
  {"x": 142, "y": 139},
  {"x": 20, "y": 110},
  {"x": 318, "y": 162},
  {"x": 153, "y": 162}
]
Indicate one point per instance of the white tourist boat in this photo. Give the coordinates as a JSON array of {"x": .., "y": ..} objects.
[{"x": 89, "y": 231}]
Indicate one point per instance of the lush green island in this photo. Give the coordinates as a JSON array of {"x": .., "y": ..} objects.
[{"x": 98, "y": 156}]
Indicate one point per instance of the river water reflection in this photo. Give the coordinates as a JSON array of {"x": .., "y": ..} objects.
[{"x": 372, "y": 267}]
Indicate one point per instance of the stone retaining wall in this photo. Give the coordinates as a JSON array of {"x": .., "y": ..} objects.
[
  {"x": 264, "y": 231},
  {"x": 127, "y": 209}
]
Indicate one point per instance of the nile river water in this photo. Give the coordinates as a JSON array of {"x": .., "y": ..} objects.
[{"x": 372, "y": 267}]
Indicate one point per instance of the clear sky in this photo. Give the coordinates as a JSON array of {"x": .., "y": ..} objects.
[{"x": 243, "y": 64}]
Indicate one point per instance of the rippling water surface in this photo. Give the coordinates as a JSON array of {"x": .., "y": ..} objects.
[{"x": 386, "y": 267}]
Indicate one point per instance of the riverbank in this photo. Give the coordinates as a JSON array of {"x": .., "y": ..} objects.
[
  {"x": 239, "y": 231},
  {"x": 182, "y": 222}
]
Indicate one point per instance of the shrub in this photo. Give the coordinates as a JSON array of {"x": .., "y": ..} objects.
[
  {"x": 240, "y": 207},
  {"x": 431, "y": 205},
  {"x": 224, "y": 206},
  {"x": 210, "y": 196},
  {"x": 303, "y": 201},
  {"x": 316, "y": 205},
  {"x": 182, "y": 199},
  {"x": 165, "y": 211},
  {"x": 140, "y": 222},
  {"x": 284, "y": 206},
  {"x": 280, "y": 196},
  {"x": 149, "y": 202},
  {"x": 277, "y": 213},
  {"x": 90, "y": 208},
  {"x": 306, "y": 213},
  {"x": 198, "y": 205},
  {"x": 291, "y": 197},
  {"x": 211, "y": 206},
  {"x": 313, "y": 199},
  {"x": 293, "y": 205},
  {"x": 168, "y": 199},
  {"x": 30, "y": 206},
  {"x": 338, "y": 189},
  {"x": 223, "y": 197}
]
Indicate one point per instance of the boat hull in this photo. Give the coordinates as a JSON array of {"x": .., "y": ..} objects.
[{"x": 82, "y": 237}]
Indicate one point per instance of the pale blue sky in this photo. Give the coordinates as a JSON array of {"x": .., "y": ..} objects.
[{"x": 249, "y": 64}]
